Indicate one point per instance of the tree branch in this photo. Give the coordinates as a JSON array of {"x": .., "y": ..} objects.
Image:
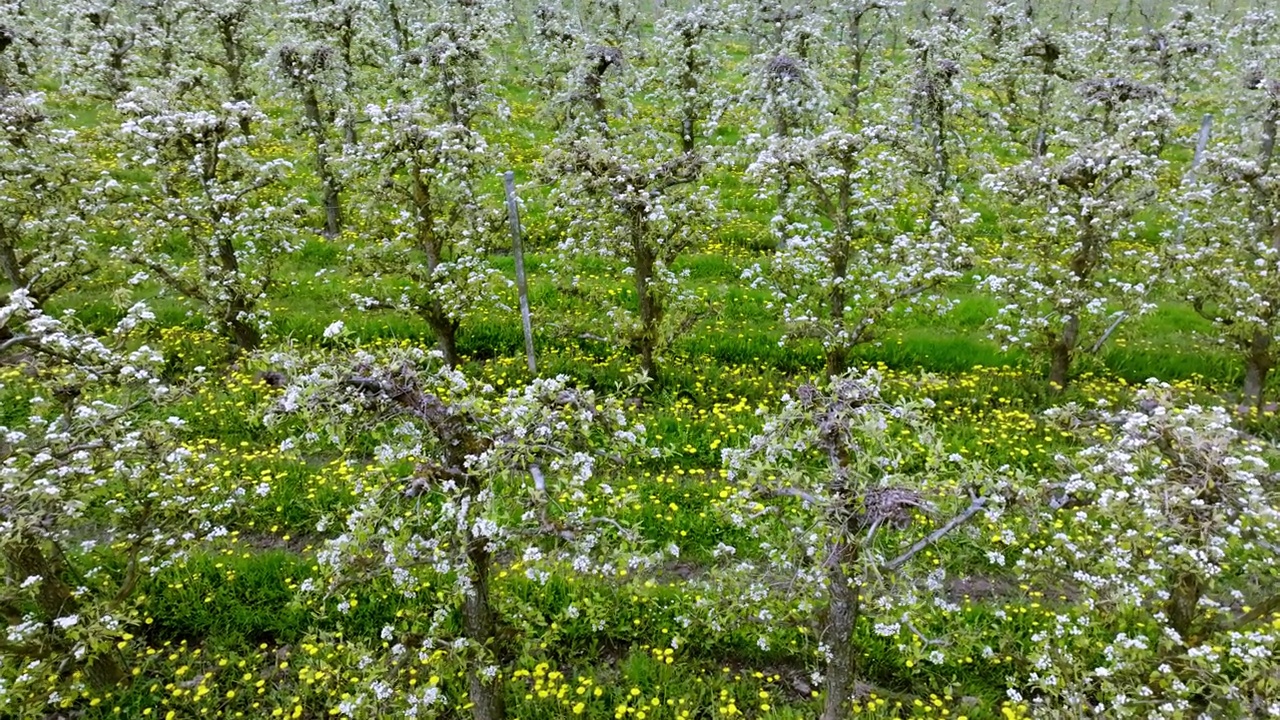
[
  {"x": 792, "y": 492},
  {"x": 33, "y": 342},
  {"x": 1102, "y": 339},
  {"x": 1259, "y": 611},
  {"x": 16, "y": 340},
  {"x": 936, "y": 535}
]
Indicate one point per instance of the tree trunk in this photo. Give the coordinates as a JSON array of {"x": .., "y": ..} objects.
[
  {"x": 837, "y": 636},
  {"x": 477, "y": 618},
  {"x": 332, "y": 204},
  {"x": 838, "y": 347},
  {"x": 1181, "y": 608},
  {"x": 1258, "y": 361},
  {"x": 650, "y": 307},
  {"x": 445, "y": 329},
  {"x": 837, "y": 360},
  {"x": 1257, "y": 365},
  {"x": 853, "y": 97},
  {"x": 1059, "y": 366},
  {"x": 447, "y": 340},
  {"x": 349, "y": 136},
  {"x": 781, "y": 128},
  {"x": 1061, "y": 349},
  {"x": 233, "y": 62},
  {"x": 11, "y": 267},
  {"x": 244, "y": 336},
  {"x": 689, "y": 121},
  {"x": 399, "y": 34},
  {"x": 55, "y": 599}
]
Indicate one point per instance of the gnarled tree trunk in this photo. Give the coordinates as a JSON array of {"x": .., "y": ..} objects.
[
  {"x": 445, "y": 329},
  {"x": 484, "y": 693},
  {"x": 837, "y": 635}
]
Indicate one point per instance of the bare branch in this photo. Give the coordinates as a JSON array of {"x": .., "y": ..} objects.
[
  {"x": 793, "y": 492},
  {"x": 1102, "y": 339},
  {"x": 936, "y": 535}
]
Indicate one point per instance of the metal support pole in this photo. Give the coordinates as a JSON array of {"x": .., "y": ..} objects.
[{"x": 522, "y": 285}]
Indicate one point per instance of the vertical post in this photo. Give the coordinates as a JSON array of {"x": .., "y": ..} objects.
[
  {"x": 518, "y": 20},
  {"x": 1201, "y": 141},
  {"x": 522, "y": 285}
]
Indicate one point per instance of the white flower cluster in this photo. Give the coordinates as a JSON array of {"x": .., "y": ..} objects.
[{"x": 1180, "y": 509}]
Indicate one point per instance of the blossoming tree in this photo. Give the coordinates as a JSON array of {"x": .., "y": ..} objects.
[
  {"x": 99, "y": 495},
  {"x": 845, "y": 264},
  {"x": 228, "y": 38},
  {"x": 1227, "y": 264},
  {"x": 22, "y": 46},
  {"x": 1168, "y": 515},
  {"x": 842, "y": 274},
  {"x": 434, "y": 241},
  {"x": 629, "y": 188},
  {"x": 1070, "y": 268},
  {"x": 211, "y": 191},
  {"x": 465, "y": 474},
  {"x": 827, "y": 487},
  {"x": 448, "y": 64},
  {"x": 48, "y": 203},
  {"x": 101, "y": 54},
  {"x": 312, "y": 73}
]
